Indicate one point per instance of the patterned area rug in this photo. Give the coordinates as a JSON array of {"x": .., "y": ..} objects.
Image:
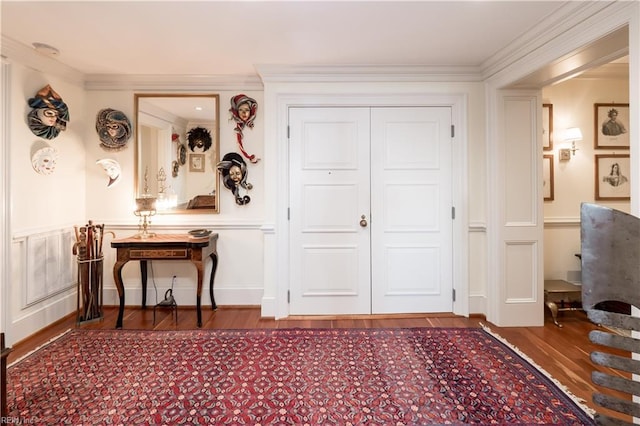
[{"x": 411, "y": 376}]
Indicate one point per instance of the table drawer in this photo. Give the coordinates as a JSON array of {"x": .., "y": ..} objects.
[{"x": 158, "y": 254}]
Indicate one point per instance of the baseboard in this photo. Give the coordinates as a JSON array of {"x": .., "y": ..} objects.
[
  {"x": 268, "y": 307},
  {"x": 34, "y": 321},
  {"x": 478, "y": 304},
  {"x": 186, "y": 296}
]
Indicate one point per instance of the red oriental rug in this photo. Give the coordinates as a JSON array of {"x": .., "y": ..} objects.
[{"x": 412, "y": 376}]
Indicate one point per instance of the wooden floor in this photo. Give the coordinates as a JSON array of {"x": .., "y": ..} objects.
[{"x": 562, "y": 352}]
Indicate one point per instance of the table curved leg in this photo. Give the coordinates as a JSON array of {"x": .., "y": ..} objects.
[
  {"x": 117, "y": 277},
  {"x": 200, "y": 268},
  {"x": 143, "y": 278},
  {"x": 214, "y": 267}
]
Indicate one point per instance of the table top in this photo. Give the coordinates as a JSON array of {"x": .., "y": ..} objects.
[
  {"x": 160, "y": 240},
  {"x": 561, "y": 286}
]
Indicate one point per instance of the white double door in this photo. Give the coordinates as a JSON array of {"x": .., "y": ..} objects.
[{"x": 370, "y": 210}]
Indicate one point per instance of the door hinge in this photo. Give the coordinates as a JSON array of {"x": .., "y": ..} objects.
[
  {"x": 453, "y": 212},
  {"x": 288, "y": 296},
  {"x": 288, "y": 132},
  {"x": 453, "y": 131},
  {"x": 453, "y": 294},
  {"x": 288, "y": 213}
]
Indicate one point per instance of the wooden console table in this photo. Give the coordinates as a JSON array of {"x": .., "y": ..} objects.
[{"x": 165, "y": 247}]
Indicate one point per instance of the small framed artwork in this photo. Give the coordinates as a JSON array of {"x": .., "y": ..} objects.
[
  {"x": 196, "y": 162},
  {"x": 547, "y": 127},
  {"x": 611, "y": 126},
  {"x": 612, "y": 177},
  {"x": 547, "y": 177}
]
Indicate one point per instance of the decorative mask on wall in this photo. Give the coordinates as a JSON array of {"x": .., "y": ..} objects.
[
  {"x": 49, "y": 115},
  {"x": 243, "y": 111},
  {"x": 114, "y": 129},
  {"x": 112, "y": 169},
  {"x": 44, "y": 160},
  {"x": 234, "y": 176},
  {"x": 199, "y": 137}
]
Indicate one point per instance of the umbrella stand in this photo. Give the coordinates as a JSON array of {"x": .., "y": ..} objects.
[{"x": 88, "y": 248}]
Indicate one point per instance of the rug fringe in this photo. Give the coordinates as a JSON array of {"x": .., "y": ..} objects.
[
  {"x": 579, "y": 401},
  {"x": 53, "y": 339}
]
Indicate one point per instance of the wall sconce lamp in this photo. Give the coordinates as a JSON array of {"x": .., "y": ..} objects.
[{"x": 572, "y": 135}]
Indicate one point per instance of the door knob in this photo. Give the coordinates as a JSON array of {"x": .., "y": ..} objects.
[{"x": 363, "y": 221}]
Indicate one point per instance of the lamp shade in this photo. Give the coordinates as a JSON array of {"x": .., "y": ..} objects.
[
  {"x": 573, "y": 134},
  {"x": 146, "y": 205}
]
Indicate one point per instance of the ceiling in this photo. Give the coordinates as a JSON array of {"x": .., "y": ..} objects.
[{"x": 232, "y": 38}]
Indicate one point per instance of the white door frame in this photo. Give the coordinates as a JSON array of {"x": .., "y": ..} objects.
[
  {"x": 458, "y": 105},
  {"x": 599, "y": 24},
  {"x": 5, "y": 209}
]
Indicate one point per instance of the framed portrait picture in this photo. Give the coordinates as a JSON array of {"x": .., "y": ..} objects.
[
  {"x": 547, "y": 177},
  {"x": 547, "y": 127},
  {"x": 196, "y": 162},
  {"x": 612, "y": 177},
  {"x": 611, "y": 126}
]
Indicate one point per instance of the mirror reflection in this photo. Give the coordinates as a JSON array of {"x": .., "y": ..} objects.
[{"x": 178, "y": 148}]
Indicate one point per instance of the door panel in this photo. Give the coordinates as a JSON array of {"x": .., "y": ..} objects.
[
  {"x": 411, "y": 227},
  {"x": 392, "y": 166},
  {"x": 329, "y": 192}
]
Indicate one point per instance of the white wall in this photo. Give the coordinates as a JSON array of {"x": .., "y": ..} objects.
[
  {"x": 239, "y": 278},
  {"x": 471, "y": 208},
  {"x": 42, "y": 203},
  {"x": 243, "y": 274},
  {"x": 77, "y": 192},
  {"x": 574, "y": 180}
]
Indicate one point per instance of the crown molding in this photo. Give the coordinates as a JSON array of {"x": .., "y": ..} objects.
[
  {"x": 606, "y": 72},
  {"x": 595, "y": 27},
  {"x": 153, "y": 82},
  {"x": 565, "y": 24},
  {"x": 567, "y": 16},
  {"x": 29, "y": 57},
  {"x": 368, "y": 74}
]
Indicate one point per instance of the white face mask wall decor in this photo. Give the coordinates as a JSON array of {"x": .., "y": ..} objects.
[{"x": 44, "y": 160}]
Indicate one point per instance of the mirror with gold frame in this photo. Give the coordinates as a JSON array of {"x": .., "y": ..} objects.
[{"x": 178, "y": 129}]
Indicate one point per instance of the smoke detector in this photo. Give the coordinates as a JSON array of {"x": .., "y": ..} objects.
[{"x": 46, "y": 49}]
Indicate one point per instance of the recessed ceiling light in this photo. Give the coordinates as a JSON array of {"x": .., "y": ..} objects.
[{"x": 46, "y": 49}]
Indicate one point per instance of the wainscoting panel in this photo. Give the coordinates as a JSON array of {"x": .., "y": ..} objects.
[
  {"x": 50, "y": 265},
  {"x": 521, "y": 278}
]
